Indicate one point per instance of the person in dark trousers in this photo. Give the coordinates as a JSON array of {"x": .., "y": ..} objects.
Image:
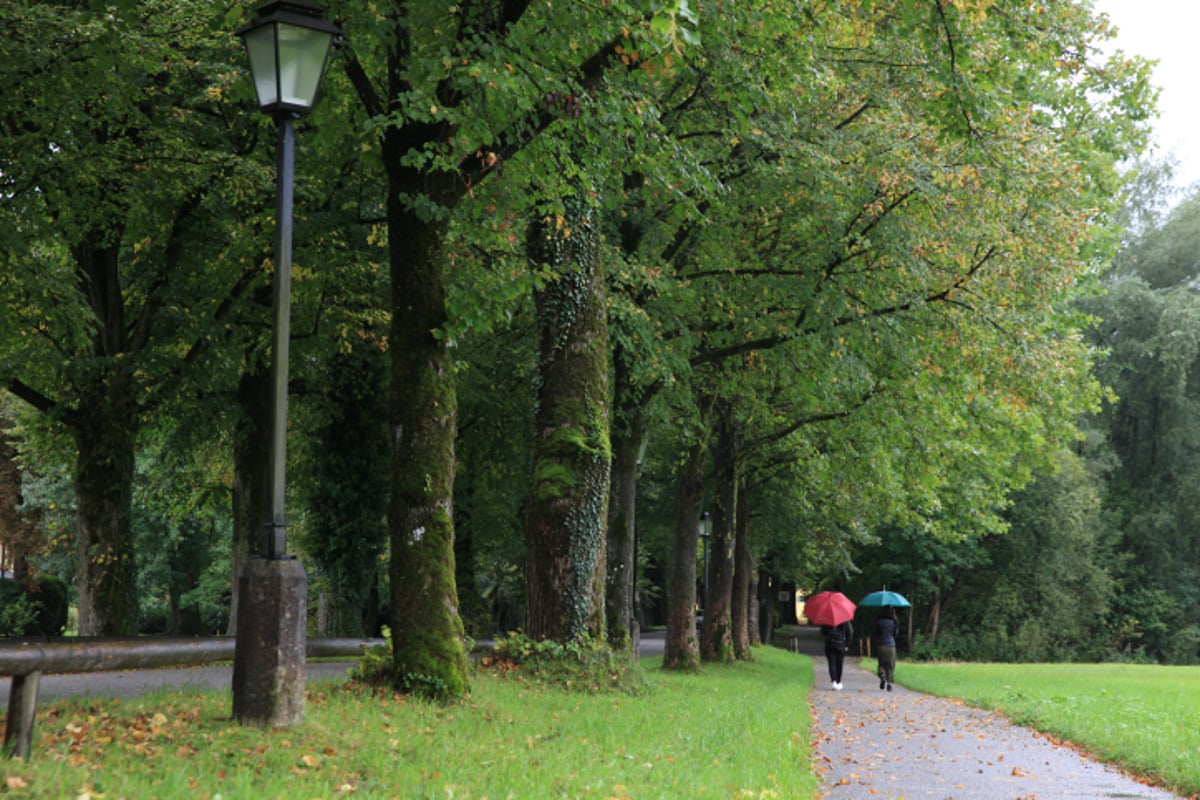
[
  {"x": 837, "y": 637},
  {"x": 887, "y": 628}
]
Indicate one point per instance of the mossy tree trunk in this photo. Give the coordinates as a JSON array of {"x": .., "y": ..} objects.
[
  {"x": 566, "y": 522},
  {"x": 427, "y": 629}
]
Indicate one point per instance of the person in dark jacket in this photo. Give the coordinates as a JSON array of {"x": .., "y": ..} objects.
[
  {"x": 837, "y": 637},
  {"x": 886, "y": 629}
]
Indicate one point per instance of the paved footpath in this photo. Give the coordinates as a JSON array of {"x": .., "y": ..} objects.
[{"x": 904, "y": 745}]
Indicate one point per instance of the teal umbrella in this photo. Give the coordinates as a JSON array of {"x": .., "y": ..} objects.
[{"x": 885, "y": 598}]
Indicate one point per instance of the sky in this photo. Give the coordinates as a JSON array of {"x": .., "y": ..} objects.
[{"x": 1167, "y": 31}]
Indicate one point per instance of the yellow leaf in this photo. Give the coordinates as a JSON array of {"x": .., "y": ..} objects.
[{"x": 310, "y": 761}]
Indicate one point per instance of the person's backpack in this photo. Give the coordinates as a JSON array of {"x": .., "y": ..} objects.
[{"x": 837, "y": 636}]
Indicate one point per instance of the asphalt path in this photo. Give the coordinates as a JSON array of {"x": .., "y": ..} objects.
[{"x": 904, "y": 745}]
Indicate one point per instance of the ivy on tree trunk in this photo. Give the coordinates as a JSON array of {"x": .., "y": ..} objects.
[{"x": 568, "y": 504}]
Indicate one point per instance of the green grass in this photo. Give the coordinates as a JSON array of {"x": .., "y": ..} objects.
[
  {"x": 740, "y": 731},
  {"x": 1144, "y": 718}
]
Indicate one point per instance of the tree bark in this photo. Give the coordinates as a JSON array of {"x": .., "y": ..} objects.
[
  {"x": 620, "y": 598},
  {"x": 756, "y": 608},
  {"x": 105, "y": 430},
  {"x": 717, "y": 642},
  {"x": 743, "y": 570},
  {"x": 565, "y": 528},
  {"x": 681, "y": 650},
  {"x": 427, "y": 630},
  {"x": 251, "y": 459},
  {"x": 766, "y": 607},
  {"x": 106, "y": 577}
]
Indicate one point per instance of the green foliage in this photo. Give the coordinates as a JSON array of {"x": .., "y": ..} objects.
[
  {"x": 346, "y": 484},
  {"x": 375, "y": 667},
  {"x": 582, "y": 664},
  {"x": 37, "y": 610},
  {"x": 1147, "y": 324},
  {"x": 18, "y": 610}
]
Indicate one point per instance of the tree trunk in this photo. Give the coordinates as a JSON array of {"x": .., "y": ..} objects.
[
  {"x": 681, "y": 651},
  {"x": 619, "y": 601},
  {"x": 106, "y": 576},
  {"x": 717, "y": 642},
  {"x": 754, "y": 621},
  {"x": 251, "y": 466},
  {"x": 743, "y": 569},
  {"x": 105, "y": 429},
  {"x": 427, "y": 630},
  {"x": 935, "y": 615},
  {"x": 565, "y": 526}
]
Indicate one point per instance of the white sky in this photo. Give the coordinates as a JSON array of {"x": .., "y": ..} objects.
[{"x": 1169, "y": 32}]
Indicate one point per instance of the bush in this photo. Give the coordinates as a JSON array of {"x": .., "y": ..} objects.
[
  {"x": 17, "y": 610},
  {"x": 39, "y": 610},
  {"x": 377, "y": 665},
  {"x": 54, "y": 598},
  {"x": 581, "y": 665}
]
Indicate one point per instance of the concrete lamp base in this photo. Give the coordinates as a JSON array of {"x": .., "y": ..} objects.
[{"x": 268, "y": 663}]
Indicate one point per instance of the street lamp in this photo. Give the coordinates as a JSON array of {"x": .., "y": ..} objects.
[{"x": 288, "y": 44}]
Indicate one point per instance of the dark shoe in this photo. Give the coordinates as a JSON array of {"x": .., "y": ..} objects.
[
  {"x": 882, "y": 683},
  {"x": 889, "y": 687}
]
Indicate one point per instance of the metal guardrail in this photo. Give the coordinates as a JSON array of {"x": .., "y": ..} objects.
[{"x": 27, "y": 661}]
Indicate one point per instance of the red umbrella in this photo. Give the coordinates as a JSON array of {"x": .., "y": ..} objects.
[{"x": 829, "y": 608}]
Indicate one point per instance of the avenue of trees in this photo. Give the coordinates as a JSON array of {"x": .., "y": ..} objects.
[{"x": 570, "y": 275}]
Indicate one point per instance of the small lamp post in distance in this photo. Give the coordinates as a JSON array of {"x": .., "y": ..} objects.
[{"x": 288, "y": 44}]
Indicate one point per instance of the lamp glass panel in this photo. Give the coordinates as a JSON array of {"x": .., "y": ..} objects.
[
  {"x": 302, "y": 54},
  {"x": 260, "y": 47}
]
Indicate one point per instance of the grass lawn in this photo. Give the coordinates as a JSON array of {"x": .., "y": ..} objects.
[
  {"x": 1145, "y": 718},
  {"x": 738, "y": 731}
]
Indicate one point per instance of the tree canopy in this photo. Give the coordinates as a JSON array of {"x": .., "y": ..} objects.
[{"x": 828, "y": 255}]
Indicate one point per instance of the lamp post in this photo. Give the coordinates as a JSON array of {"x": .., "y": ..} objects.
[{"x": 288, "y": 44}]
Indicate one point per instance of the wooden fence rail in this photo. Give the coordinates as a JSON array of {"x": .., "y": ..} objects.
[{"x": 27, "y": 661}]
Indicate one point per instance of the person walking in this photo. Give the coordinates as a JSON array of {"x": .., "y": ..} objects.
[
  {"x": 885, "y": 632},
  {"x": 837, "y": 637}
]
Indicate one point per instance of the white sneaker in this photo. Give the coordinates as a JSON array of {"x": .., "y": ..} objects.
[{"x": 837, "y": 687}]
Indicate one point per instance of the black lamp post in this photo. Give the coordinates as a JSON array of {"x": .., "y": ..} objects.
[{"x": 288, "y": 44}]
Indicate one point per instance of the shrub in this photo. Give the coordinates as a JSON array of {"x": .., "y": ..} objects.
[
  {"x": 580, "y": 665},
  {"x": 17, "y": 610},
  {"x": 39, "y": 610}
]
